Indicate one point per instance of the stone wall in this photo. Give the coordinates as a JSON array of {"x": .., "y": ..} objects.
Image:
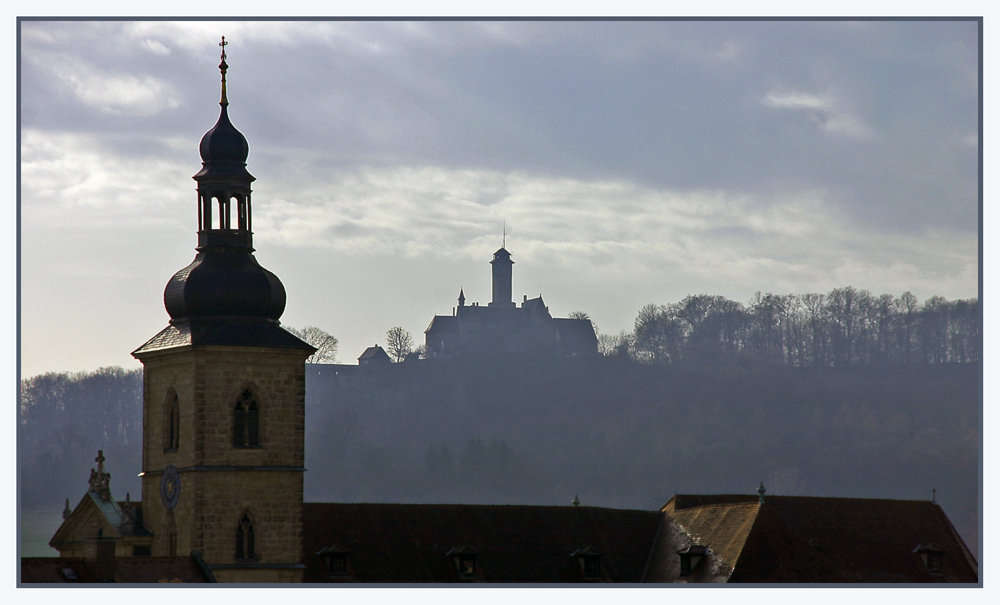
[{"x": 219, "y": 481}]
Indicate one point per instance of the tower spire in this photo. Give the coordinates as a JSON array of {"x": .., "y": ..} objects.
[{"x": 223, "y": 66}]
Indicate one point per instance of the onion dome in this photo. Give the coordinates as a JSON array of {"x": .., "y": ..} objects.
[
  {"x": 224, "y": 284},
  {"x": 224, "y": 149}
]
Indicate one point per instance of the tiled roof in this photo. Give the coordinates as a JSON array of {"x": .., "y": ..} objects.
[
  {"x": 813, "y": 539},
  {"x": 411, "y": 542},
  {"x": 231, "y": 333}
]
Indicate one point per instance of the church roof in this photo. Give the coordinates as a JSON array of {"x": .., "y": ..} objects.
[
  {"x": 224, "y": 149},
  {"x": 227, "y": 333},
  {"x": 815, "y": 539},
  {"x": 412, "y": 542}
]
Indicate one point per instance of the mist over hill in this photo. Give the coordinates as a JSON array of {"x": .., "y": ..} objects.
[{"x": 844, "y": 394}]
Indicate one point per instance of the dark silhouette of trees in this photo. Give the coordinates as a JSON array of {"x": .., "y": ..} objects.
[
  {"x": 846, "y": 327},
  {"x": 398, "y": 343},
  {"x": 326, "y": 345},
  {"x": 65, "y": 418}
]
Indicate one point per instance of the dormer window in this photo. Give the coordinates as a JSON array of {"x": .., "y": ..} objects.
[
  {"x": 464, "y": 558},
  {"x": 932, "y": 556},
  {"x": 590, "y": 562},
  {"x": 335, "y": 560},
  {"x": 690, "y": 557}
]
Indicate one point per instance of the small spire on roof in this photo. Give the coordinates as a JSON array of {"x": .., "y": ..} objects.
[
  {"x": 576, "y": 500},
  {"x": 760, "y": 492},
  {"x": 67, "y": 511},
  {"x": 934, "y": 496},
  {"x": 461, "y": 297}
]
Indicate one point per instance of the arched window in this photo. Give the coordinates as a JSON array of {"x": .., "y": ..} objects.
[
  {"x": 246, "y": 421},
  {"x": 171, "y": 423},
  {"x": 245, "y": 547}
]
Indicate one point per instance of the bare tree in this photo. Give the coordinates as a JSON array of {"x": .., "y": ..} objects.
[
  {"x": 583, "y": 315},
  {"x": 326, "y": 345},
  {"x": 398, "y": 343}
]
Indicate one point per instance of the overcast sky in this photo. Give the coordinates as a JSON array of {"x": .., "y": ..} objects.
[{"x": 633, "y": 163}]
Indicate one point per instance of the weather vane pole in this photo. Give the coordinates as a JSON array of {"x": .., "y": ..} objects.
[{"x": 223, "y": 67}]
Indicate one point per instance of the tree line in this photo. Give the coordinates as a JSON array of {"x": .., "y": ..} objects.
[
  {"x": 64, "y": 418},
  {"x": 846, "y": 327}
]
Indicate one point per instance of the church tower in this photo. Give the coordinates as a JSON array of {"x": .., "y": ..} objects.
[{"x": 224, "y": 392}]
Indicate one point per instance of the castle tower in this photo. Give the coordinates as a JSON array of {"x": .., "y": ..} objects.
[
  {"x": 502, "y": 277},
  {"x": 224, "y": 392}
]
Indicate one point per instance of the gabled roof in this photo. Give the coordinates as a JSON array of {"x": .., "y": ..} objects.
[
  {"x": 411, "y": 542},
  {"x": 814, "y": 539},
  {"x": 374, "y": 353},
  {"x": 443, "y": 323},
  {"x": 109, "y": 515},
  {"x": 575, "y": 330}
]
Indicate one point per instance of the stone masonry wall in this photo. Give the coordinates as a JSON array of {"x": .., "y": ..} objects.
[{"x": 208, "y": 381}]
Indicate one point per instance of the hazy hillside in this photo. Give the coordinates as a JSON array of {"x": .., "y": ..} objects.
[{"x": 612, "y": 430}]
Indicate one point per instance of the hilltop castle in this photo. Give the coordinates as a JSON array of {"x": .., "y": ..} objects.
[{"x": 503, "y": 327}]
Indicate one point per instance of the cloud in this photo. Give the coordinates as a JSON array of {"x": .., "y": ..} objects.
[
  {"x": 611, "y": 226},
  {"x": 825, "y": 110},
  {"x": 77, "y": 179},
  {"x": 113, "y": 92}
]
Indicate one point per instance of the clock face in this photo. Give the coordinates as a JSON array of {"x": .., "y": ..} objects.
[{"x": 170, "y": 487}]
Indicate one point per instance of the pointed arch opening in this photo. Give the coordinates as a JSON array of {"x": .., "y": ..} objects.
[
  {"x": 246, "y": 538},
  {"x": 246, "y": 420}
]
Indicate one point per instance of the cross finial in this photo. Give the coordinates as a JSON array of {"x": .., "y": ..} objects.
[
  {"x": 100, "y": 461},
  {"x": 223, "y": 66}
]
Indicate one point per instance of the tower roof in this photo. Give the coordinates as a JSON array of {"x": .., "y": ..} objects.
[
  {"x": 224, "y": 297},
  {"x": 224, "y": 149}
]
